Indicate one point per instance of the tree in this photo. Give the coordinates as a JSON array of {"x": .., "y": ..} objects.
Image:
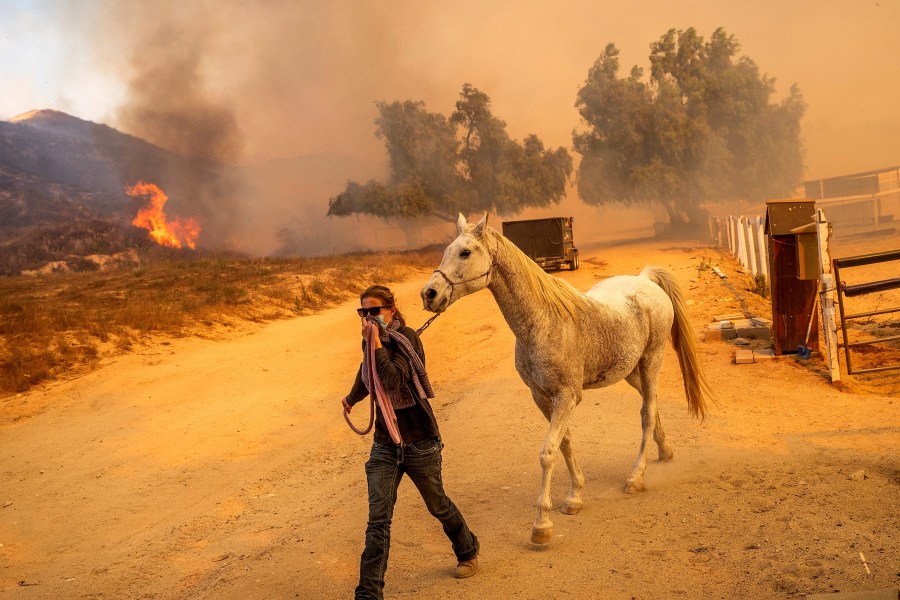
[
  {"x": 700, "y": 130},
  {"x": 467, "y": 163}
]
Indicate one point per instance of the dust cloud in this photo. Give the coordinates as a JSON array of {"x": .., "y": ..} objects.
[{"x": 286, "y": 90}]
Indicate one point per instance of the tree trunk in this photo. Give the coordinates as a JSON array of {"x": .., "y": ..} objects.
[
  {"x": 413, "y": 232},
  {"x": 670, "y": 210}
]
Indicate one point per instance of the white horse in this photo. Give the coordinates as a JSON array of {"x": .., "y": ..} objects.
[{"x": 567, "y": 341}]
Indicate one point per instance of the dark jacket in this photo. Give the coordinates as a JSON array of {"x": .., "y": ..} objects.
[{"x": 416, "y": 423}]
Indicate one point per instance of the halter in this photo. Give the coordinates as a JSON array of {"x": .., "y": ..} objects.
[{"x": 454, "y": 284}]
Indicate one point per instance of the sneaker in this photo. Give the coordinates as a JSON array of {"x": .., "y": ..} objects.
[{"x": 466, "y": 568}]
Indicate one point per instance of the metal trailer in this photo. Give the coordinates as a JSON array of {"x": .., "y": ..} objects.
[{"x": 548, "y": 242}]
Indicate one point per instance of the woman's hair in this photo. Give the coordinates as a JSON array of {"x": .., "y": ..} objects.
[{"x": 386, "y": 296}]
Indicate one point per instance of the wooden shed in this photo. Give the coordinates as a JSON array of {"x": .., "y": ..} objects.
[{"x": 793, "y": 291}]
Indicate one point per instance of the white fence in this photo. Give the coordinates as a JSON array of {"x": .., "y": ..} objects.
[{"x": 745, "y": 238}]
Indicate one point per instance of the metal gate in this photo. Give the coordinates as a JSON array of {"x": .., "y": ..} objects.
[{"x": 849, "y": 291}]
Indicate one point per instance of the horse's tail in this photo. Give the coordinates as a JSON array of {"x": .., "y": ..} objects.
[{"x": 684, "y": 342}]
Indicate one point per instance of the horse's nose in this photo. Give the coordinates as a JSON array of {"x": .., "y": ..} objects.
[{"x": 430, "y": 293}]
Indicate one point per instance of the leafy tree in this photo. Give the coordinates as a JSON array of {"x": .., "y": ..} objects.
[
  {"x": 701, "y": 129},
  {"x": 465, "y": 163}
]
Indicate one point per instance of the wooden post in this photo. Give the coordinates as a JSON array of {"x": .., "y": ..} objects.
[
  {"x": 826, "y": 296},
  {"x": 763, "y": 248}
]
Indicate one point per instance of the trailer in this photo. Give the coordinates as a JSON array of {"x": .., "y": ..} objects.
[{"x": 548, "y": 242}]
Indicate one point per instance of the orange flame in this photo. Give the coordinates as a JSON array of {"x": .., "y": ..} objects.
[{"x": 174, "y": 234}]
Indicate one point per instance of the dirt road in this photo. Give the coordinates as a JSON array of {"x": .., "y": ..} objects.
[{"x": 223, "y": 469}]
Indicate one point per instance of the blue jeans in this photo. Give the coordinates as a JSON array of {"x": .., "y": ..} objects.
[{"x": 384, "y": 469}]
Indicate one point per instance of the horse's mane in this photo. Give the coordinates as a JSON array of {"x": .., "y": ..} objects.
[{"x": 558, "y": 294}]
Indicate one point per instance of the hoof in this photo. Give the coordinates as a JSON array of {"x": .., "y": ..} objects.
[
  {"x": 572, "y": 507},
  {"x": 666, "y": 456},
  {"x": 634, "y": 487},
  {"x": 541, "y": 536}
]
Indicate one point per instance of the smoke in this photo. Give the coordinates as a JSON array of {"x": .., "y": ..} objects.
[
  {"x": 300, "y": 78},
  {"x": 168, "y": 105},
  {"x": 160, "y": 51},
  {"x": 245, "y": 83}
]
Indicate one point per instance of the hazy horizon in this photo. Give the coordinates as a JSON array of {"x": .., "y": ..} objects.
[{"x": 294, "y": 79}]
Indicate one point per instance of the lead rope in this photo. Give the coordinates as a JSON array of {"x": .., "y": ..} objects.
[
  {"x": 426, "y": 324},
  {"x": 377, "y": 392}
]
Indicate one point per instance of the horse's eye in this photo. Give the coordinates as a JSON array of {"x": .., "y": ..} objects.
[{"x": 465, "y": 253}]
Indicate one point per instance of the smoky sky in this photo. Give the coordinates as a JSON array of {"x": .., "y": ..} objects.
[
  {"x": 167, "y": 102},
  {"x": 246, "y": 81}
]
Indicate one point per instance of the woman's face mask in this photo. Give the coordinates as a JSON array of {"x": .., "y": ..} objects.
[{"x": 380, "y": 319}]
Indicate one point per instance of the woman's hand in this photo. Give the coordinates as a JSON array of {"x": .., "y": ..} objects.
[
  {"x": 346, "y": 404},
  {"x": 365, "y": 332}
]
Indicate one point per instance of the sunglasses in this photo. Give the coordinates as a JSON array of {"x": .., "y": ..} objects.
[{"x": 372, "y": 312}]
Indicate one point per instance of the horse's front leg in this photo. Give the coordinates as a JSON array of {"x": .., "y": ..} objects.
[
  {"x": 574, "y": 501},
  {"x": 561, "y": 407}
]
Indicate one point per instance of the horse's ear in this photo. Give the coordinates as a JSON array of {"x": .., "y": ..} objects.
[
  {"x": 460, "y": 224},
  {"x": 481, "y": 225}
]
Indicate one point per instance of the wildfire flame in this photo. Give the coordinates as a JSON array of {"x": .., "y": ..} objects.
[{"x": 174, "y": 234}]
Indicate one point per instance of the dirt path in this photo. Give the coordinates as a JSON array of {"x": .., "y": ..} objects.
[{"x": 215, "y": 470}]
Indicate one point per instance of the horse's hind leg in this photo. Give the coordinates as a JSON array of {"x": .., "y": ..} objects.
[
  {"x": 649, "y": 372},
  {"x": 659, "y": 434},
  {"x": 665, "y": 452}
]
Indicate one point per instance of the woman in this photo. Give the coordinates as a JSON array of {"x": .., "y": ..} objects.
[{"x": 400, "y": 364}]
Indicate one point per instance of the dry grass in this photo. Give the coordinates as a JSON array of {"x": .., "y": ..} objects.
[{"x": 61, "y": 324}]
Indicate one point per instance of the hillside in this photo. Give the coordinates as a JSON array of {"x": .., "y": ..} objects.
[
  {"x": 61, "y": 177},
  {"x": 62, "y": 197}
]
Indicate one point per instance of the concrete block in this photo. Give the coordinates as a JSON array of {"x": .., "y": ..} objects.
[
  {"x": 759, "y": 356},
  {"x": 743, "y": 357},
  {"x": 712, "y": 335},
  {"x": 759, "y": 333}
]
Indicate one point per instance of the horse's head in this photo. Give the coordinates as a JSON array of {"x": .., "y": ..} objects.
[{"x": 466, "y": 267}]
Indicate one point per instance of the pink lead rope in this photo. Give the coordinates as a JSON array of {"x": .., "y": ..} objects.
[{"x": 377, "y": 392}]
